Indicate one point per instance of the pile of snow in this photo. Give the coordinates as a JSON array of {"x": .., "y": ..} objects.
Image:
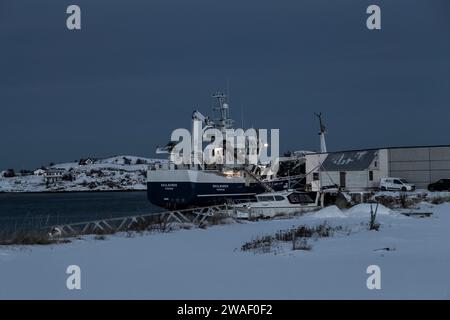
[
  {"x": 330, "y": 212},
  {"x": 364, "y": 209},
  {"x": 442, "y": 212},
  {"x": 361, "y": 210}
]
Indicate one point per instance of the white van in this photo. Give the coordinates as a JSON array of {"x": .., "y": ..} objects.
[{"x": 396, "y": 184}]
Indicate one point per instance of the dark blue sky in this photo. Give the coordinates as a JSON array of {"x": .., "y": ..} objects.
[{"x": 137, "y": 69}]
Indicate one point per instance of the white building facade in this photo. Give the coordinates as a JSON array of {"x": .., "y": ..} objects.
[
  {"x": 362, "y": 170},
  {"x": 54, "y": 175}
]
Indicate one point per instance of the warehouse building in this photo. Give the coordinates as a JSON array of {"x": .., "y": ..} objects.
[{"x": 360, "y": 170}]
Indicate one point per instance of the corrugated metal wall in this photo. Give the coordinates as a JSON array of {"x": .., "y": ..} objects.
[{"x": 420, "y": 166}]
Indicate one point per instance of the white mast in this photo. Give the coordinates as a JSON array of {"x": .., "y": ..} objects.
[{"x": 323, "y": 145}]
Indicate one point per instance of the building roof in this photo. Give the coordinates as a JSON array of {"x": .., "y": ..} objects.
[
  {"x": 349, "y": 160},
  {"x": 387, "y": 148},
  {"x": 52, "y": 170}
]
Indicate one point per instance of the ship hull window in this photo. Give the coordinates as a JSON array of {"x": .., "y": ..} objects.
[{"x": 299, "y": 198}]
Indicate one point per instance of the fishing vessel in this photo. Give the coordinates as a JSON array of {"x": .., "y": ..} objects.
[{"x": 178, "y": 186}]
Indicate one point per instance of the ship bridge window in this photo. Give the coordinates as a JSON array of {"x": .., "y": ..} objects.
[
  {"x": 279, "y": 198},
  {"x": 265, "y": 198},
  {"x": 300, "y": 198}
]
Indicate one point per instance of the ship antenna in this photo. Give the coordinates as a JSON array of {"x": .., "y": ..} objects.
[
  {"x": 228, "y": 90},
  {"x": 224, "y": 120},
  {"x": 242, "y": 116}
]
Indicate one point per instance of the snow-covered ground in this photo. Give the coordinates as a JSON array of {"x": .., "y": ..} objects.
[
  {"x": 418, "y": 193},
  {"x": 208, "y": 263},
  {"x": 115, "y": 173}
]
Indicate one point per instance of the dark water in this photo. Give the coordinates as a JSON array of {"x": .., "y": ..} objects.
[{"x": 30, "y": 211}]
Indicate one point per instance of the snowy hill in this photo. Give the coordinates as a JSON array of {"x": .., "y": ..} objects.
[{"x": 122, "y": 172}]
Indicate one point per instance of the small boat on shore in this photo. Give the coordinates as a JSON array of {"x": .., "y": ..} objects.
[{"x": 272, "y": 204}]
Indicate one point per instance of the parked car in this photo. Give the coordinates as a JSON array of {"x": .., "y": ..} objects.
[
  {"x": 396, "y": 184},
  {"x": 441, "y": 185}
]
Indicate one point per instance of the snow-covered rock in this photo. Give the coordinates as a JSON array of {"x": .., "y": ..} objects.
[{"x": 329, "y": 212}]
